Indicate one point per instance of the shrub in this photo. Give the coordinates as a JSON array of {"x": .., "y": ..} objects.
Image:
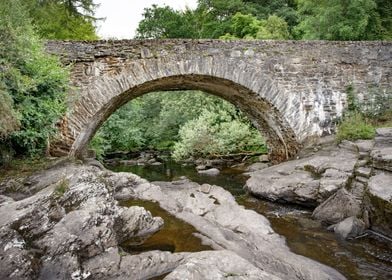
[
  {"x": 216, "y": 133},
  {"x": 32, "y": 83},
  {"x": 354, "y": 127}
]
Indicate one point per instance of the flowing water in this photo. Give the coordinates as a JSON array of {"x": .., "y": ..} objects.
[{"x": 368, "y": 257}]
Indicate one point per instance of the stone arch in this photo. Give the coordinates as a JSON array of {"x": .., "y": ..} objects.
[{"x": 244, "y": 86}]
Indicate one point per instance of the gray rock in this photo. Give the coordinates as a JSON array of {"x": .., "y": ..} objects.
[
  {"x": 77, "y": 230},
  {"x": 348, "y": 145},
  {"x": 201, "y": 167},
  {"x": 382, "y": 158},
  {"x": 257, "y": 166},
  {"x": 264, "y": 158},
  {"x": 349, "y": 228},
  {"x": 137, "y": 224},
  {"x": 379, "y": 203},
  {"x": 217, "y": 265},
  {"x": 224, "y": 224},
  {"x": 364, "y": 146},
  {"x": 336, "y": 208},
  {"x": 383, "y": 137},
  {"x": 308, "y": 181},
  {"x": 209, "y": 172},
  {"x": 363, "y": 172}
]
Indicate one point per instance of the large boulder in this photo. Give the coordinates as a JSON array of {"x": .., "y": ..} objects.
[
  {"x": 308, "y": 181},
  {"x": 336, "y": 208},
  {"x": 379, "y": 202},
  {"x": 349, "y": 228},
  {"x": 225, "y": 225}
]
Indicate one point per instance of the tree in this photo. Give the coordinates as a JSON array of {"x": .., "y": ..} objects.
[
  {"x": 63, "y": 19},
  {"x": 338, "y": 20},
  {"x": 164, "y": 22},
  {"x": 249, "y": 27},
  {"x": 32, "y": 83}
]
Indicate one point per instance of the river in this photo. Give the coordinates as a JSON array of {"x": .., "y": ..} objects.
[{"x": 368, "y": 257}]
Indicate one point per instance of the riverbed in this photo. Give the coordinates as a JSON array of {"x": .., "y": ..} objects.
[{"x": 367, "y": 257}]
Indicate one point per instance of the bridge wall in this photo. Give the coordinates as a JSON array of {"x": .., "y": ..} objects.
[{"x": 291, "y": 90}]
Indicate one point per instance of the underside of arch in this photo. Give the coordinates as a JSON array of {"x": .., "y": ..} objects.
[{"x": 280, "y": 137}]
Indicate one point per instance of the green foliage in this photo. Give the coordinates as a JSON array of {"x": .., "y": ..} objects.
[
  {"x": 355, "y": 127},
  {"x": 54, "y": 21},
  {"x": 63, "y": 19},
  {"x": 215, "y": 133},
  {"x": 33, "y": 84},
  {"x": 362, "y": 116},
  {"x": 153, "y": 121},
  {"x": 164, "y": 22},
  {"x": 338, "y": 20},
  {"x": 61, "y": 188},
  {"x": 249, "y": 27}
]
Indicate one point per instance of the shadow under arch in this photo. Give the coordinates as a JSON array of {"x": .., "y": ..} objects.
[{"x": 280, "y": 137}]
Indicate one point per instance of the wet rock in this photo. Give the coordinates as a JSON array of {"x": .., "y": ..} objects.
[
  {"x": 379, "y": 203},
  {"x": 257, "y": 166},
  {"x": 337, "y": 207},
  {"x": 201, "y": 167},
  {"x": 137, "y": 224},
  {"x": 48, "y": 235},
  {"x": 349, "y": 228},
  {"x": 72, "y": 229},
  {"x": 214, "y": 265},
  {"x": 223, "y": 224},
  {"x": 209, "y": 172}
]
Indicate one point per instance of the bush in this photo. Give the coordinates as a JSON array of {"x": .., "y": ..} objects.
[
  {"x": 32, "y": 84},
  {"x": 216, "y": 133},
  {"x": 355, "y": 127}
]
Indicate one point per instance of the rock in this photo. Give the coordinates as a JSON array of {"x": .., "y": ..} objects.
[
  {"x": 275, "y": 184},
  {"x": 201, "y": 167},
  {"x": 209, "y": 172},
  {"x": 348, "y": 145},
  {"x": 264, "y": 158},
  {"x": 225, "y": 225},
  {"x": 213, "y": 265},
  {"x": 257, "y": 166},
  {"x": 63, "y": 227},
  {"x": 349, "y": 228},
  {"x": 308, "y": 181},
  {"x": 361, "y": 163},
  {"x": 74, "y": 232},
  {"x": 379, "y": 203},
  {"x": 364, "y": 146},
  {"x": 336, "y": 208},
  {"x": 363, "y": 172},
  {"x": 136, "y": 224},
  {"x": 383, "y": 137},
  {"x": 382, "y": 158}
]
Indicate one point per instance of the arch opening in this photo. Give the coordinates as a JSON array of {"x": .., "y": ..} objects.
[{"x": 279, "y": 136}]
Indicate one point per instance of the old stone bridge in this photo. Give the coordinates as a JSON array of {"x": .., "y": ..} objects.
[{"x": 292, "y": 91}]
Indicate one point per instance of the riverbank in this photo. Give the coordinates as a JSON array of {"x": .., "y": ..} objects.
[{"x": 81, "y": 221}]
